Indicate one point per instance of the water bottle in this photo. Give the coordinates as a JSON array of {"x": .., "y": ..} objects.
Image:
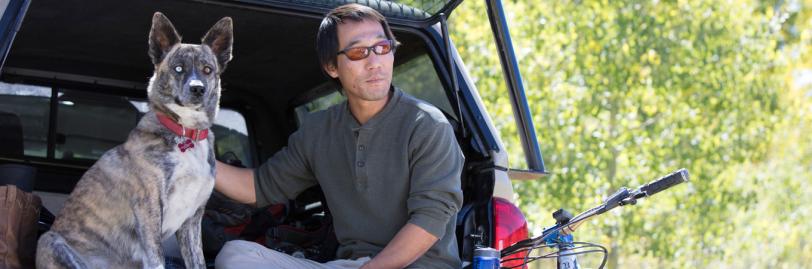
[{"x": 486, "y": 258}]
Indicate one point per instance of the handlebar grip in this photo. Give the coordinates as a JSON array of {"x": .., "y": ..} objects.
[{"x": 665, "y": 182}]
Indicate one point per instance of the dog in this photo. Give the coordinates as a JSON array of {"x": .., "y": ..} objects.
[{"x": 157, "y": 183}]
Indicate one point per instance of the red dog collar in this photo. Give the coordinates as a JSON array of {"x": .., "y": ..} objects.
[{"x": 190, "y": 134}]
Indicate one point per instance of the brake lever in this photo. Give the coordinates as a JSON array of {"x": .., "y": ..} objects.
[
  {"x": 614, "y": 200},
  {"x": 633, "y": 196}
]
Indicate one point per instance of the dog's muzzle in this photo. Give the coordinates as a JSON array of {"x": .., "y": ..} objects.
[{"x": 197, "y": 88}]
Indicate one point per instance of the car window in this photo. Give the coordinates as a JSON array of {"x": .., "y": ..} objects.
[
  {"x": 24, "y": 118},
  {"x": 318, "y": 104},
  {"x": 89, "y": 123},
  {"x": 488, "y": 79},
  {"x": 231, "y": 135},
  {"x": 416, "y": 76}
]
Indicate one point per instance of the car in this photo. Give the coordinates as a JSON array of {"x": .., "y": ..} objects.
[{"x": 74, "y": 76}]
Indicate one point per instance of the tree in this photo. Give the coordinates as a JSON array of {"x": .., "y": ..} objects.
[{"x": 625, "y": 91}]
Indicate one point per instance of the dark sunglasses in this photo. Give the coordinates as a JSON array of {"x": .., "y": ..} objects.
[{"x": 360, "y": 53}]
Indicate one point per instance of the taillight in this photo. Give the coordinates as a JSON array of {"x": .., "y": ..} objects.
[{"x": 510, "y": 227}]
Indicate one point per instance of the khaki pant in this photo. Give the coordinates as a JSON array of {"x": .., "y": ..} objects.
[{"x": 238, "y": 254}]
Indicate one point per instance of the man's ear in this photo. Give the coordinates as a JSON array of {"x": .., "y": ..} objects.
[
  {"x": 331, "y": 70},
  {"x": 162, "y": 37},
  {"x": 220, "y": 39}
]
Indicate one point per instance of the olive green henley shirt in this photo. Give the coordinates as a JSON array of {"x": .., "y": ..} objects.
[{"x": 402, "y": 166}]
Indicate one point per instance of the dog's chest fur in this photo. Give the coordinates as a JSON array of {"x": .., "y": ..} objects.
[{"x": 188, "y": 187}]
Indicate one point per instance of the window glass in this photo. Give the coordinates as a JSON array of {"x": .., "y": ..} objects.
[
  {"x": 24, "y": 117},
  {"x": 231, "y": 138},
  {"x": 88, "y": 124},
  {"x": 475, "y": 43},
  {"x": 320, "y": 103},
  {"x": 416, "y": 77}
]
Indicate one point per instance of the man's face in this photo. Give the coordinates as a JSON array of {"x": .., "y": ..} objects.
[{"x": 366, "y": 79}]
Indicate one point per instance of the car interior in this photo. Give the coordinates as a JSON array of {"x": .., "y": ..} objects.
[{"x": 74, "y": 84}]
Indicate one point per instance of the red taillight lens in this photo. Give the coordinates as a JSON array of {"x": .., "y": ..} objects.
[{"x": 510, "y": 227}]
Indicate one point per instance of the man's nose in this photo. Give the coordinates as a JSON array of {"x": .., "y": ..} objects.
[
  {"x": 196, "y": 87},
  {"x": 374, "y": 60}
]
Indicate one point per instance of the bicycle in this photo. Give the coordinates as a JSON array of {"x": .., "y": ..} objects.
[{"x": 560, "y": 236}]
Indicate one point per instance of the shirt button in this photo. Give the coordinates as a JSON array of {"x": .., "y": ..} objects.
[
  {"x": 361, "y": 147},
  {"x": 360, "y": 164}
]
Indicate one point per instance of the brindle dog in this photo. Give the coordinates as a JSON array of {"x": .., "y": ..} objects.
[{"x": 157, "y": 182}]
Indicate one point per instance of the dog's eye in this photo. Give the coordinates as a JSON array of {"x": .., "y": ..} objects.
[
  {"x": 179, "y": 69},
  {"x": 207, "y": 70}
]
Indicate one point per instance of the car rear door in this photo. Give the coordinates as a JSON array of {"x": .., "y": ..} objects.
[
  {"x": 515, "y": 85},
  {"x": 431, "y": 13}
]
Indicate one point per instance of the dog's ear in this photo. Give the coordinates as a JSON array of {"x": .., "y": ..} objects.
[
  {"x": 220, "y": 38},
  {"x": 162, "y": 37}
]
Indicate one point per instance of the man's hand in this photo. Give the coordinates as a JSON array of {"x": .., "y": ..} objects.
[{"x": 409, "y": 244}]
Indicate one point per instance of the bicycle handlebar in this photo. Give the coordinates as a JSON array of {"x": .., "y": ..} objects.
[
  {"x": 665, "y": 182},
  {"x": 620, "y": 198}
]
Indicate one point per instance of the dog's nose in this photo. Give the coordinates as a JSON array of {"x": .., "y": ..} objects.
[
  {"x": 197, "y": 90},
  {"x": 196, "y": 87}
]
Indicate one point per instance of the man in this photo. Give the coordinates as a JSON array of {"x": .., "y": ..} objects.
[{"x": 388, "y": 164}]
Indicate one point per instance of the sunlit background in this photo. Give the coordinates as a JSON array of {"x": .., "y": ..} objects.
[{"x": 623, "y": 92}]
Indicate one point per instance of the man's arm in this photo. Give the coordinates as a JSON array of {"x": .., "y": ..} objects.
[
  {"x": 282, "y": 177},
  {"x": 236, "y": 183},
  {"x": 435, "y": 197},
  {"x": 406, "y": 247}
]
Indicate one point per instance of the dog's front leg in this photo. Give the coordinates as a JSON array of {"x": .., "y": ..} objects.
[
  {"x": 188, "y": 235},
  {"x": 148, "y": 221}
]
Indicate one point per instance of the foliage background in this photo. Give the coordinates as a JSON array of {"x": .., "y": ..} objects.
[{"x": 624, "y": 91}]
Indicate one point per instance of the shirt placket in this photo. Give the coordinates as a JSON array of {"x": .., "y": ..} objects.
[{"x": 361, "y": 144}]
